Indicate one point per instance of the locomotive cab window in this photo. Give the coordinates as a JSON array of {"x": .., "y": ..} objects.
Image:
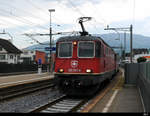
[
  {"x": 65, "y": 50},
  {"x": 97, "y": 49},
  {"x": 86, "y": 49}
]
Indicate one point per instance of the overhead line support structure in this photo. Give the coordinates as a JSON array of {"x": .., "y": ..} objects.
[{"x": 125, "y": 29}]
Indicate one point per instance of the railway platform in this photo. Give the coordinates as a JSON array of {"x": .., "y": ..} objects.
[
  {"x": 118, "y": 98},
  {"x": 7, "y": 81},
  {"x": 125, "y": 100}
]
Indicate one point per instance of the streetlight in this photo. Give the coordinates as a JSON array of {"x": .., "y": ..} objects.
[{"x": 50, "y": 34}]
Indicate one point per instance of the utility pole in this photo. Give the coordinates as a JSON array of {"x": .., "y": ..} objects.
[
  {"x": 124, "y": 55},
  {"x": 50, "y": 33},
  {"x": 131, "y": 47}
]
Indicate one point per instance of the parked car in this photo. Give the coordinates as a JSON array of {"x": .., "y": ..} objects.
[{"x": 125, "y": 61}]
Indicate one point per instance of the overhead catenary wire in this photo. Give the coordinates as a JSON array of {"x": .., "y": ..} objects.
[
  {"x": 29, "y": 13},
  {"x": 21, "y": 19},
  {"x": 6, "y": 23},
  {"x": 35, "y": 39},
  {"x": 77, "y": 10},
  {"x": 25, "y": 11},
  {"x": 82, "y": 14},
  {"x": 41, "y": 9}
]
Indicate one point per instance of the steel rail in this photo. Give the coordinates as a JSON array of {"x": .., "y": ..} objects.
[
  {"x": 62, "y": 104},
  {"x": 19, "y": 90}
]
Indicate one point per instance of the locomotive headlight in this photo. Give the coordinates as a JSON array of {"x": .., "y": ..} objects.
[
  {"x": 88, "y": 70},
  {"x": 74, "y": 43},
  {"x": 61, "y": 70}
]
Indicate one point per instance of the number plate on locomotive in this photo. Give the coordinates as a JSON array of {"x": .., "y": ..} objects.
[{"x": 74, "y": 70}]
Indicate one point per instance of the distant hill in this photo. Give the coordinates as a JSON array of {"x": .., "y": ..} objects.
[
  {"x": 139, "y": 41},
  {"x": 41, "y": 47}
]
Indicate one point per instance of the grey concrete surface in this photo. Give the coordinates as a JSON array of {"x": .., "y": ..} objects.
[{"x": 127, "y": 100}]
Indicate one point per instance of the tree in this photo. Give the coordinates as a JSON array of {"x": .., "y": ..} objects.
[{"x": 141, "y": 59}]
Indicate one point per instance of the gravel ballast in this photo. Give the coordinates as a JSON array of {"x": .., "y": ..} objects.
[{"x": 24, "y": 104}]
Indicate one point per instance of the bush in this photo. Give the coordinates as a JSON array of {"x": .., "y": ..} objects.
[{"x": 141, "y": 59}]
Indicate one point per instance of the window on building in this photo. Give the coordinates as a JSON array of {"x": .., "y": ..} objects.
[
  {"x": 1, "y": 48},
  {"x": 32, "y": 52},
  {"x": 18, "y": 57},
  {"x": 11, "y": 56},
  {"x": 2, "y": 57},
  {"x": 25, "y": 52},
  {"x": 34, "y": 57},
  {"x": 97, "y": 49}
]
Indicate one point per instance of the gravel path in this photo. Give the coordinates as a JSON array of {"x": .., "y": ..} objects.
[{"x": 26, "y": 103}]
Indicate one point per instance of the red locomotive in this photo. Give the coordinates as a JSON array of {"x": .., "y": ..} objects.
[{"x": 82, "y": 63}]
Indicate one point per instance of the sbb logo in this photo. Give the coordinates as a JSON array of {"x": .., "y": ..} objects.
[{"x": 74, "y": 63}]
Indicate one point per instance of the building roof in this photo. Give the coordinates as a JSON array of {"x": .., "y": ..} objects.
[{"x": 9, "y": 47}]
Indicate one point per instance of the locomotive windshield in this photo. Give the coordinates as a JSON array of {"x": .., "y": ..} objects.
[
  {"x": 86, "y": 49},
  {"x": 65, "y": 50}
]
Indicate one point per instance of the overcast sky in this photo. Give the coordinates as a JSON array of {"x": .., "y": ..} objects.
[{"x": 32, "y": 16}]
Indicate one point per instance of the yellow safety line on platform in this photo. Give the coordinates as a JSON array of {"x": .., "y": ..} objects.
[
  {"x": 99, "y": 97},
  {"x": 95, "y": 101},
  {"x": 119, "y": 84}
]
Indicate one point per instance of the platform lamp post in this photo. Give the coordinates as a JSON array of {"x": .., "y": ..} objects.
[{"x": 50, "y": 34}]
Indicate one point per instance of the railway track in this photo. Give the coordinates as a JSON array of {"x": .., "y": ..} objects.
[
  {"x": 65, "y": 104},
  {"x": 19, "y": 90},
  {"x": 57, "y": 104},
  {"x": 62, "y": 104}
]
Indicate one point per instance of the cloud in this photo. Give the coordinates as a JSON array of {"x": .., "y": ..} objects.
[
  {"x": 19, "y": 16},
  {"x": 68, "y": 11}
]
